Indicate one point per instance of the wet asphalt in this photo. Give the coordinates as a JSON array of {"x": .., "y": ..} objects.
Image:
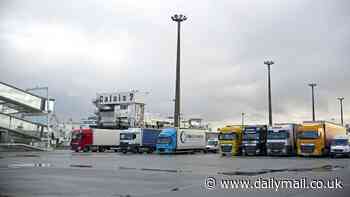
[{"x": 66, "y": 173}]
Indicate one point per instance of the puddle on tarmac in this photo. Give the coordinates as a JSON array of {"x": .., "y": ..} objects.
[
  {"x": 175, "y": 189},
  {"x": 153, "y": 169},
  {"x": 160, "y": 170},
  {"x": 80, "y": 166},
  {"x": 4, "y": 195},
  {"x": 324, "y": 168},
  {"x": 119, "y": 195},
  {"x": 30, "y": 165}
]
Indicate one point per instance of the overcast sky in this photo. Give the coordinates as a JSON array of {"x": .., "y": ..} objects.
[{"x": 81, "y": 47}]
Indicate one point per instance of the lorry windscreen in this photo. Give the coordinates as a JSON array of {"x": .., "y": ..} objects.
[
  {"x": 308, "y": 135},
  {"x": 76, "y": 135},
  {"x": 340, "y": 142},
  {"x": 279, "y": 135},
  {"x": 126, "y": 136},
  {"x": 250, "y": 136},
  {"x": 227, "y": 136},
  {"x": 164, "y": 140},
  {"x": 212, "y": 142}
]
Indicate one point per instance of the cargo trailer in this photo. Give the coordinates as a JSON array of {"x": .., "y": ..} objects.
[
  {"x": 88, "y": 139},
  {"x": 139, "y": 140},
  {"x": 172, "y": 140},
  {"x": 314, "y": 138}
]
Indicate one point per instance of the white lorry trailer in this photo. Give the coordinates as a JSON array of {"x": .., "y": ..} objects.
[{"x": 87, "y": 139}]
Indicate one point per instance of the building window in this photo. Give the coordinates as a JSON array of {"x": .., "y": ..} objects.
[
  {"x": 124, "y": 98},
  {"x": 106, "y": 99},
  {"x": 101, "y": 99},
  {"x": 123, "y": 107},
  {"x": 131, "y": 96},
  {"x": 114, "y": 98}
]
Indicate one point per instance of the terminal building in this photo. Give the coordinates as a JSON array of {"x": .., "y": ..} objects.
[{"x": 120, "y": 110}]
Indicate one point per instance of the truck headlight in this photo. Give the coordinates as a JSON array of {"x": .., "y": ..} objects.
[
  {"x": 257, "y": 151},
  {"x": 269, "y": 150},
  {"x": 284, "y": 150}
]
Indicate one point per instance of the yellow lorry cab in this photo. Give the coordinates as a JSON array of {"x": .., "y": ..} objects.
[
  {"x": 314, "y": 138},
  {"x": 230, "y": 140}
]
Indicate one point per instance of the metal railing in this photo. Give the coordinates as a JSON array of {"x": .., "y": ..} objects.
[{"x": 22, "y": 126}]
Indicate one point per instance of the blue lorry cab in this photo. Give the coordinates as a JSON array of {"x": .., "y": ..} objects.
[{"x": 166, "y": 142}]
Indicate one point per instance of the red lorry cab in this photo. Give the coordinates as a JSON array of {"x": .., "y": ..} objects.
[{"x": 81, "y": 139}]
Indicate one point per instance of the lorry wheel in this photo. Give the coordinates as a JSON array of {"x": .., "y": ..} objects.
[
  {"x": 139, "y": 151},
  {"x": 124, "y": 151},
  {"x": 101, "y": 149},
  {"x": 76, "y": 150},
  {"x": 86, "y": 149}
]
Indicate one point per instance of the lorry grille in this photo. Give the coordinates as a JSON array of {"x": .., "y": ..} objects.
[
  {"x": 226, "y": 148},
  {"x": 124, "y": 144},
  {"x": 307, "y": 148},
  {"x": 250, "y": 148},
  {"x": 276, "y": 145},
  {"x": 337, "y": 150}
]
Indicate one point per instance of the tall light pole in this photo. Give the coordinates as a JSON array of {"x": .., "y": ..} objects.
[
  {"x": 269, "y": 63},
  {"x": 313, "y": 85},
  {"x": 243, "y": 119},
  {"x": 178, "y": 18},
  {"x": 341, "y": 109}
]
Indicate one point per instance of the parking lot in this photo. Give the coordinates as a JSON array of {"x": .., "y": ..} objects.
[{"x": 66, "y": 173}]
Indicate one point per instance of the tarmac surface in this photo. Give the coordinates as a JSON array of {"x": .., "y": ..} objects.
[{"x": 66, "y": 173}]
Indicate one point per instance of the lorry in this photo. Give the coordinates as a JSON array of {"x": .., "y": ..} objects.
[
  {"x": 139, "y": 140},
  {"x": 230, "y": 139},
  {"x": 340, "y": 146},
  {"x": 88, "y": 139},
  {"x": 212, "y": 145},
  {"x": 254, "y": 140},
  {"x": 314, "y": 138},
  {"x": 281, "y": 139},
  {"x": 173, "y": 140},
  {"x": 212, "y": 142}
]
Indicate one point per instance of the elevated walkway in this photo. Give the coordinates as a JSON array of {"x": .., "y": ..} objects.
[
  {"x": 22, "y": 127},
  {"x": 20, "y": 100},
  {"x": 14, "y": 104}
]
